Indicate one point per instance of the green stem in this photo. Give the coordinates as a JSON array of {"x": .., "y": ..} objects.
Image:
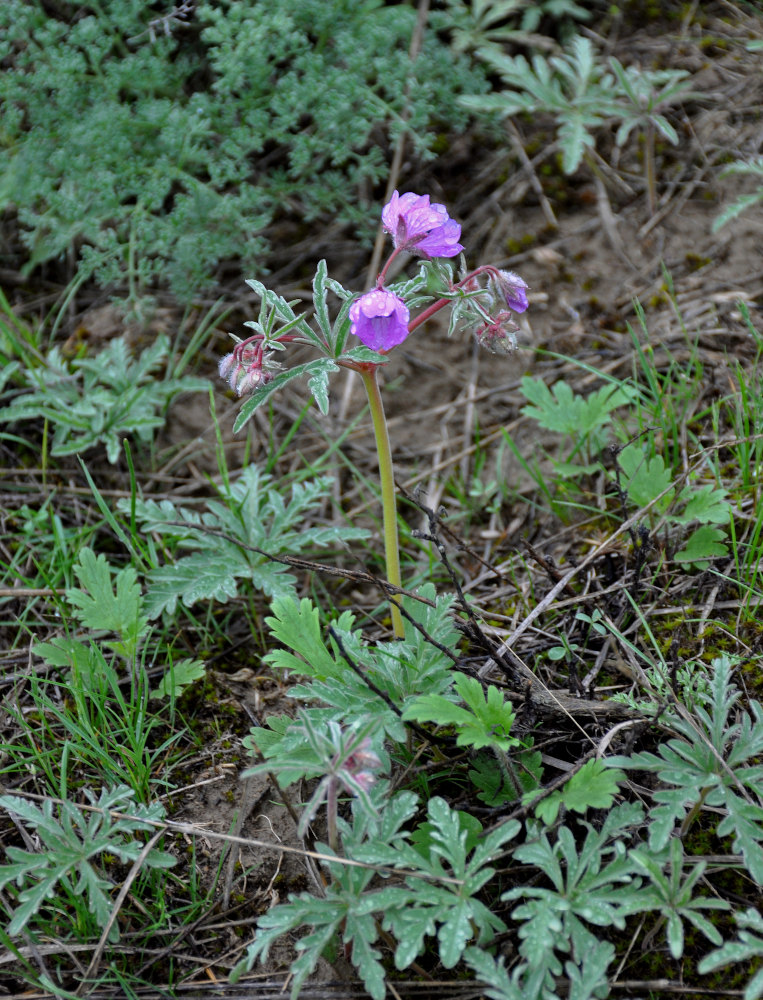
[
  {"x": 651, "y": 182},
  {"x": 331, "y": 810},
  {"x": 387, "y": 481}
]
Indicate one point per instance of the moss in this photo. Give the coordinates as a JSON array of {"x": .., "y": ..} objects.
[
  {"x": 714, "y": 44},
  {"x": 522, "y": 245},
  {"x": 696, "y": 261}
]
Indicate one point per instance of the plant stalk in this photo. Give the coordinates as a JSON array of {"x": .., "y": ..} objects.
[
  {"x": 331, "y": 811},
  {"x": 387, "y": 481}
]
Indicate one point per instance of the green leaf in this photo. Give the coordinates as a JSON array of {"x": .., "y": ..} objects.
[
  {"x": 455, "y": 933},
  {"x": 101, "y": 606},
  {"x": 297, "y": 625},
  {"x": 496, "y": 788},
  {"x": 397, "y": 670},
  {"x": 737, "y": 208},
  {"x": 594, "y": 786},
  {"x": 706, "y": 504},
  {"x": 485, "y": 722},
  {"x": 749, "y": 945},
  {"x": 671, "y": 895},
  {"x": 62, "y": 651},
  {"x": 318, "y": 384},
  {"x": 179, "y": 676},
  {"x": 264, "y": 392},
  {"x": 195, "y": 578},
  {"x": 645, "y": 478},
  {"x": 702, "y": 545},
  {"x": 569, "y": 413},
  {"x": 588, "y": 977},
  {"x": 492, "y": 973},
  {"x": 365, "y": 354},
  {"x": 319, "y": 300},
  {"x": 590, "y": 883}
]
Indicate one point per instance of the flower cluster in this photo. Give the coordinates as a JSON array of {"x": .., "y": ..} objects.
[
  {"x": 248, "y": 366},
  {"x": 380, "y": 319},
  {"x": 507, "y": 293}
]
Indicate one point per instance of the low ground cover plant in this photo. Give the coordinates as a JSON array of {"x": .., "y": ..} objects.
[{"x": 195, "y": 125}]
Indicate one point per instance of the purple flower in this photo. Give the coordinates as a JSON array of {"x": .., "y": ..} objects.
[
  {"x": 380, "y": 319},
  {"x": 512, "y": 289},
  {"x": 421, "y": 228}
]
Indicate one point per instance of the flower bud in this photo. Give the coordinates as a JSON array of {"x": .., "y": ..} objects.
[{"x": 512, "y": 289}]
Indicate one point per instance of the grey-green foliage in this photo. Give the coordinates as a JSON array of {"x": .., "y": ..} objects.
[
  {"x": 665, "y": 684},
  {"x": 369, "y": 700},
  {"x": 752, "y": 168},
  {"x": 586, "y": 980},
  {"x": 673, "y": 896},
  {"x": 71, "y": 841},
  {"x": 582, "y": 94},
  {"x": 712, "y": 760},
  {"x": 441, "y": 873},
  {"x": 593, "y": 885},
  {"x": 582, "y": 877},
  {"x": 102, "y": 399},
  {"x": 493, "y": 23},
  {"x": 641, "y": 95},
  {"x": 748, "y": 944},
  {"x": 232, "y": 539},
  {"x": 163, "y": 153}
]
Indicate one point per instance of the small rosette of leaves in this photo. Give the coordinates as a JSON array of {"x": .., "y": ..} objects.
[
  {"x": 72, "y": 839},
  {"x": 233, "y": 540},
  {"x": 443, "y": 867},
  {"x": 100, "y": 400}
]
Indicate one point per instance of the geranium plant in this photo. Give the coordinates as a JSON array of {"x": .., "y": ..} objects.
[{"x": 483, "y": 301}]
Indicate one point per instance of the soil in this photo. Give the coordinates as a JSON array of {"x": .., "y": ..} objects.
[{"x": 448, "y": 402}]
